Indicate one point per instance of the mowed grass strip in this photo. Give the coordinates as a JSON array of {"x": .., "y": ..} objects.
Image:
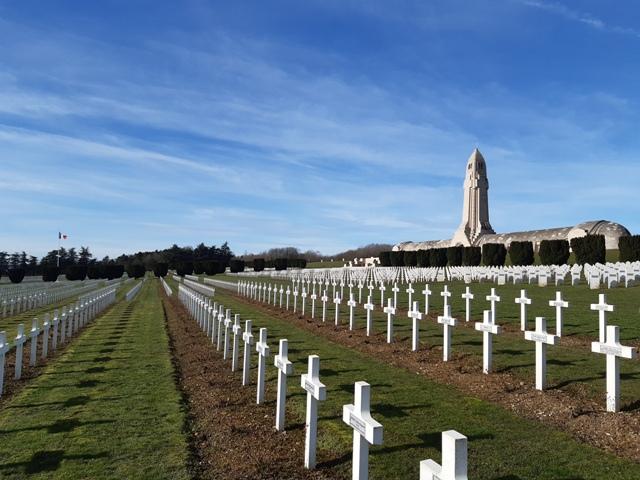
[
  {"x": 108, "y": 408},
  {"x": 414, "y": 412}
]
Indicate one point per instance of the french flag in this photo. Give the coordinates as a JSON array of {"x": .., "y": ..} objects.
[{"x": 62, "y": 236}]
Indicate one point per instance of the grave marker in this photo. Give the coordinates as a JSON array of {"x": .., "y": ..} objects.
[
  {"x": 352, "y": 303},
  {"x": 602, "y": 309},
  {"x": 19, "y": 342},
  {"x": 493, "y": 298},
  {"x": 237, "y": 332},
  {"x": 390, "y": 311},
  {"x": 454, "y": 459},
  {"x": 559, "y": 303},
  {"x": 448, "y": 322},
  {"x": 263, "y": 352},
  {"x": 542, "y": 339},
  {"x": 285, "y": 368},
  {"x": 316, "y": 392},
  {"x": 247, "y": 338},
  {"x": 4, "y": 348},
  {"x": 369, "y": 308},
  {"x": 523, "y": 301},
  {"x": 468, "y": 296},
  {"x": 426, "y": 292},
  {"x": 488, "y": 328},
  {"x": 35, "y": 331},
  {"x": 415, "y": 315}
]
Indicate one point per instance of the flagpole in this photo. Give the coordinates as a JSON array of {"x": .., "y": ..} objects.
[{"x": 59, "y": 247}]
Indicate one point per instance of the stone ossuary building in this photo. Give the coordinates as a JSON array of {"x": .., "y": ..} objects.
[{"x": 475, "y": 229}]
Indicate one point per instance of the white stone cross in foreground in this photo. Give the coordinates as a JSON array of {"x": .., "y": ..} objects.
[
  {"x": 247, "y": 338},
  {"x": 352, "y": 303},
  {"x": 448, "y": 323},
  {"x": 614, "y": 352},
  {"x": 468, "y": 296},
  {"x": 410, "y": 291},
  {"x": 316, "y": 392},
  {"x": 35, "y": 331},
  {"x": 45, "y": 336},
  {"x": 445, "y": 294},
  {"x": 426, "y": 292},
  {"x": 263, "y": 352},
  {"x": 602, "y": 309},
  {"x": 523, "y": 301},
  {"x": 415, "y": 315},
  {"x": 382, "y": 288},
  {"x": 395, "y": 291},
  {"x": 19, "y": 342},
  {"x": 559, "y": 303},
  {"x": 369, "y": 308},
  {"x": 488, "y": 328},
  {"x": 390, "y": 311},
  {"x": 493, "y": 298},
  {"x": 285, "y": 368},
  {"x": 237, "y": 332},
  {"x": 542, "y": 339},
  {"x": 227, "y": 331},
  {"x": 365, "y": 429},
  {"x": 4, "y": 348},
  {"x": 454, "y": 459}
]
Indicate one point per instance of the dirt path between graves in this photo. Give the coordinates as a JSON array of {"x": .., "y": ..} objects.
[
  {"x": 230, "y": 436},
  {"x": 569, "y": 408}
]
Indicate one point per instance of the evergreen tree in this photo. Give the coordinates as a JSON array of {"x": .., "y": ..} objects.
[{"x": 84, "y": 256}]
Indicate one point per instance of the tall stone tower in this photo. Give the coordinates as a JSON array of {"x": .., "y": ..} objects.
[{"x": 475, "y": 210}]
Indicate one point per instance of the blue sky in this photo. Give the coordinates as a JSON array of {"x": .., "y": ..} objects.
[{"x": 133, "y": 125}]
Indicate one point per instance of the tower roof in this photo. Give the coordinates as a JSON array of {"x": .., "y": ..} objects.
[{"x": 475, "y": 156}]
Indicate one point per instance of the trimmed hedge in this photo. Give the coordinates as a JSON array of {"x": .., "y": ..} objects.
[
  {"x": 16, "y": 275},
  {"x": 385, "y": 259},
  {"x": 96, "y": 271},
  {"x": 280, "y": 264},
  {"x": 494, "y": 254},
  {"x": 199, "y": 268},
  {"x": 161, "y": 269},
  {"x": 590, "y": 249},
  {"x": 423, "y": 258},
  {"x": 136, "y": 270},
  {"x": 629, "y": 248},
  {"x": 236, "y": 265},
  {"x": 76, "y": 272},
  {"x": 454, "y": 256},
  {"x": 258, "y": 264},
  {"x": 471, "y": 256},
  {"x": 297, "y": 263},
  {"x": 521, "y": 253},
  {"x": 114, "y": 271},
  {"x": 213, "y": 267},
  {"x": 50, "y": 274},
  {"x": 185, "y": 268},
  {"x": 397, "y": 259},
  {"x": 438, "y": 257},
  {"x": 410, "y": 258},
  {"x": 554, "y": 252}
]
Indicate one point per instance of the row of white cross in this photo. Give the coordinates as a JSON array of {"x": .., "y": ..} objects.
[
  {"x": 608, "y": 342},
  {"x": 131, "y": 294},
  {"x": 64, "y": 325},
  {"x": 366, "y": 430}
]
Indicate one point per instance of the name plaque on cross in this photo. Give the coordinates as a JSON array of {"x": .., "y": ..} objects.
[{"x": 358, "y": 425}]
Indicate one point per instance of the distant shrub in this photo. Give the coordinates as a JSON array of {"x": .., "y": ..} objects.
[
  {"x": 212, "y": 267},
  {"x": 521, "y": 253},
  {"x": 297, "y": 263},
  {"x": 397, "y": 259},
  {"x": 554, "y": 252},
  {"x": 199, "y": 268},
  {"x": 494, "y": 254},
  {"x": 629, "y": 248},
  {"x": 96, "y": 271},
  {"x": 280, "y": 264},
  {"x": 50, "y": 273},
  {"x": 438, "y": 257},
  {"x": 76, "y": 272},
  {"x": 258, "y": 264},
  {"x": 422, "y": 258},
  {"x": 454, "y": 256},
  {"x": 471, "y": 256},
  {"x": 16, "y": 275},
  {"x": 236, "y": 265},
  {"x": 410, "y": 258},
  {"x": 590, "y": 249},
  {"x": 184, "y": 268},
  {"x": 385, "y": 259},
  {"x": 160, "y": 269},
  {"x": 136, "y": 270}
]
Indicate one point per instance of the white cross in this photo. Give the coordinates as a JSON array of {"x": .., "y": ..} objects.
[
  {"x": 390, "y": 311},
  {"x": 35, "y": 331},
  {"x": 4, "y": 348},
  {"x": 227, "y": 331},
  {"x": 445, "y": 294},
  {"x": 263, "y": 352},
  {"x": 614, "y": 352},
  {"x": 247, "y": 338},
  {"x": 488, "y": 328},
  {"x": 337, "y": 302},
  {"x": 54, "y": 339},
  {"x": 559, "y": 303},
  {"x": 352, "y": 303},
  {"x": 395, "y": 291},
  {"x": 365, "y": 429},
  {"x": 237, "y": 332},
  {"x": 415, "y": 315},
  {"x": 468, "y": 296},
  {"x": 382, "y": 288},
  {"x": 602, "y": 309},
  {"x": 448, "y": 322},
  {"x": 304, "y": 300},
  {"x": 316, "y": 392},
  {"x": 454, "y": 459},
  {"x": 45, "y": 337},
  {"x": 281, "y": 292},
  {"x": 523, "y": 301},
  {"x": 324, "y": 299},
  {"x": 493, "y": 298},
  {"x": 288, "y": 292},
  {"x": 219, "y": 327},
  {"x": 19, "y": 342},
  {"x": 369, "y": 308},
  {"x": 410, "y": 291},
  {"x": 426, "y": 292},
  {"x": 314, "y": 297},
  {"x": 542, "y": 339},
  {"x": 360, "y": 285},
  {"x": 285, "y": 368},
  {"x": 295, "y": 300}
]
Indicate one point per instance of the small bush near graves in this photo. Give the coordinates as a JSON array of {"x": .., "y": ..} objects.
[
  {"x": 422, "y": 257},
  {"x": 211, "y": 267},
  {"x": 50, "y": 274},
  {"x": 161, "y": 269},
  {"x": 397, "y": 259},
  {"x": 297, "y": 263},
  {"x": 199, "y": 268},
  {"x": 554, "y": 252},
  {"x": 629, "y": 248},
  {"x": 438, "y": 257},
  {"x": 76, "y": 272},
  {"x": 113, "y": 271},
  {"x": 258, "y": 264},
  {"x": 184, "y": 268},
  {"x": 96, "y": 271},
  {"x": 494, "y": 254},
  {"x": 410, "y": 258},
  {"x": 471, "y": 256},
  {"x": 280, "y": 264},
  {"x": 236, "y": 265},
  {"x": 385, "y": 259},
  {"x": 454, "y": 256},
  {"x": 136, "y": 270},
  {"x": 590, "y": 249},
  {"x": 521, "y": 253}
]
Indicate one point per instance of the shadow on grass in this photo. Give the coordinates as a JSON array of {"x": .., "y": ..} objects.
[
  {"x": 49, "y": 461},
  {"x": 61, "y": 426}
]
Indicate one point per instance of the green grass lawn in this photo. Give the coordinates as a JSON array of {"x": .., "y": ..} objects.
[
  {"x": 108, "y": 408},
  {"x": 414, "y": 411}
]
